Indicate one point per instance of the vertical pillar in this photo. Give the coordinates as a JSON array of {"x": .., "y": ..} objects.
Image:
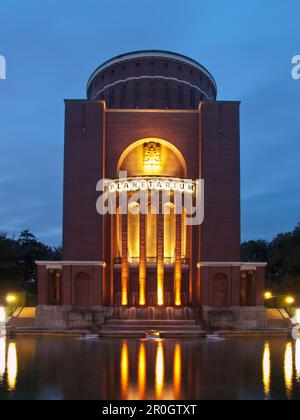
[
  {"x": 178, "y": 267},
  {"x": 251, "y": 288},
  {"x": 143, "y": 269},
  {"x": 160, "y": 254},
  {"x": 58, "y": 287},
  {"x": 125, "y": 265},
  {"x": 243, "y": 287}
]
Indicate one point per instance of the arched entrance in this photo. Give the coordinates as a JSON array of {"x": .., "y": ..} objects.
[{"x": 151, "y": 245}]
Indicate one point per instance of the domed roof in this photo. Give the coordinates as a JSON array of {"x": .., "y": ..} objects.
[{"x": 151, "y": 54}]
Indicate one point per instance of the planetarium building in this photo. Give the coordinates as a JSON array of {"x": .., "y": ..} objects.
[{"x": 151, "y": 130}]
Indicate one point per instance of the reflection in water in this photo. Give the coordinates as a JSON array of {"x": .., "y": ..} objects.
[
  {"x": 124, "y": 370},
  {"x": 177, "y": 371},
  {"x": 149, "y": 369},
  {"x": 288, "y": 368},
  {"x": 297, "y": 359},
  {"x": 12, "y": 366},
  {"x": 142, "y": 372},
  {"x": 159, "y": 370},
  {"x": 267, "y": 370},
  {"x": 2, "y": 356}
]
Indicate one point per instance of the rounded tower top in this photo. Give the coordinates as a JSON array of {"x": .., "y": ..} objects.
[{"x": 152, "y": 80}]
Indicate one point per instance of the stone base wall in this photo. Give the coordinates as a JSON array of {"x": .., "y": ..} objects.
[
  {"x": 70, "y": 317},
  {"x": 235, "y": 317}
]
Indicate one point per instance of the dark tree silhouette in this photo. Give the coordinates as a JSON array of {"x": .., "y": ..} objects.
[{"x": 17, "y": 261}]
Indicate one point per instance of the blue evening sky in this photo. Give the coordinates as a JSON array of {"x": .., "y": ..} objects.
[{"x": 52, "y": 47}]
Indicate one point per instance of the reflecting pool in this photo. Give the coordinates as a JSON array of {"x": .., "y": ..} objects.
[{"x": 45, "y": 368}]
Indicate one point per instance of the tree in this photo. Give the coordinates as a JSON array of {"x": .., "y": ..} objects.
[{"x": 18, "y": 261}]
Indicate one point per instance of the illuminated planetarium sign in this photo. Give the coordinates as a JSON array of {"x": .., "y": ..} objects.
[{"x": 151, "y": 184}]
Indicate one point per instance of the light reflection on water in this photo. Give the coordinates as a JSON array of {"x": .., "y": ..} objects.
[
  {"x": 267, "y": 370},
  {"x": 8, "y": 363},
  {"x": 297, "y": 359},
  {"x": 34, "y": 368},
  {"x": 288, "y": 369},
  {"x": 12, "y": 366},
  {"x": 159, "y": 371},
  {"x": 142, "y": 372}
]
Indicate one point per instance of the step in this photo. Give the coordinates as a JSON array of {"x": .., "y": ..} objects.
[
  {"x": 150, "y": 322},
  {"x": 149, "y": 327},
  {"x": 22, "y": 322},
  {"x": 163, "y": 334}
]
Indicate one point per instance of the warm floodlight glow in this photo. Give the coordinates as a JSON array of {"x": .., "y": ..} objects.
[
  {"x": 152, "y": 155},
  {"x": 267, "y": 370},
  {"x": 142, "y": 285},
  {"x": 160, "y": 283},
  {"x": 177, "y": 370},
  {"x": 2, "y": 315},
  {"x": 2, "y": 356},
  {"x": 178, "y": 285},
  {"x": 290, "y": 300},
  {"x": 12, "y": 366},
  {"x": 124, "y": 370},
  {"x": 297, "y": 359},
  {"x": 11, "y": 299},
  {"x": 268, "y": 295},
  {"x": 288, "y": 368},
  {"x": 159, "y": 371},
  {"x": 142, "y": 371}
]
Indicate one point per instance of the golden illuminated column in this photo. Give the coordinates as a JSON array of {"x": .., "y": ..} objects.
[
  {"x": 160, "y": 255},
  {"x": 143, "y": 269},
  {"x": 125, "y": 265},
  {"x": 178, "y": 267}
]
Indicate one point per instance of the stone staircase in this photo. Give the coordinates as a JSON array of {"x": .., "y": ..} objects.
[
  {"x": 137, "y": 322},
  {"x": 23, "y": 317},
  {"x": 278, "y": 319}
]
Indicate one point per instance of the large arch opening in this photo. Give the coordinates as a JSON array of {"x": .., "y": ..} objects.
[
  {"x": 151, "y": 240},
  {"x": 152, "y": 157}
]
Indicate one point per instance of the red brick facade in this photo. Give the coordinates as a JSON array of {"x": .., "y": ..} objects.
[{"x": 207, "y": 134}]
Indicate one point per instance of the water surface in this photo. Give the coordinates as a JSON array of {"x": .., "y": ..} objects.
[{"x": 46, "y": 368}]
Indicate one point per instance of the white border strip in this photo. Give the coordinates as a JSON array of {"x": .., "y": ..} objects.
[
  {"x": 56, "y": 265},
  {"x": 135, "y": 78},
  {"x": 248, "y": 266}
]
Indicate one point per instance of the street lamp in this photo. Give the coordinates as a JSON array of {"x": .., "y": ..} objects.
[
  {"x": 268, "y": 295},
  {"x": 11, "y": 299},
  {"x": 290, "y": 300}
]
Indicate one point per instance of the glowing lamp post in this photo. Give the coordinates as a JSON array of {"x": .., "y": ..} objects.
[
  {"x": 290, "y": 300},
  {"x": 268, "y": 295},
  {"x": 11, "y": 300}
]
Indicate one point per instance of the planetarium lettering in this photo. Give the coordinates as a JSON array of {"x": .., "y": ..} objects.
[
  {"x": 158, "y": 184},
  {"x": 152, "y": 195}
]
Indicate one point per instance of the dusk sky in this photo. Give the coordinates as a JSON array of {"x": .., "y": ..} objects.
[{"x": 52, "y": 47}]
